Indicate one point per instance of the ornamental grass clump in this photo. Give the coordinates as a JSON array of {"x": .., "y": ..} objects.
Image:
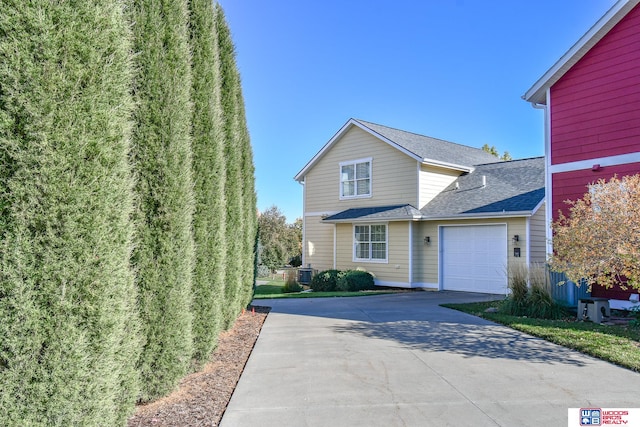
[
  {"x": 531, "y": 294},
  {"x": 516, "y": 302},
  {"x": 540, "y": 303},
  {"x": 291, "y": 285}
]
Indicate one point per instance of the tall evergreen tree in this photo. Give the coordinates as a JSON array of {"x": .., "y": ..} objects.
[
  {"x": 249, "y": 208},
  {"x": 68, "y": 325},
  {"x": 164, "y": 254},
  {"x": 240, "y": 184},
  {"x": 209, "y": 179},
  {"x": 235, "y": 226}
]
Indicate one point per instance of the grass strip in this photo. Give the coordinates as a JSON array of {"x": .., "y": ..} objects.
[
  {"x": 618, "y": 344},
  {"x": 274, "y": 289}
]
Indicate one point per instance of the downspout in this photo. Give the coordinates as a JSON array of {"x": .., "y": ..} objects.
[{"x": 548, "y": 183}]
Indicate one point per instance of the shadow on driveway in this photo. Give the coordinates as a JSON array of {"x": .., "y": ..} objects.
[
  {"x": 469, "y": 340},
  {"x": 417, "y": 321}
]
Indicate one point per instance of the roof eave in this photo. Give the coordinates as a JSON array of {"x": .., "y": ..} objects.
[
  {"x": 351, "y": 122},
  {"x": 363, "y": 220},
  {"x": 537, "y": 94},
  {"x": 300, "y": 175},
  {"x": 445, "y": 165}
]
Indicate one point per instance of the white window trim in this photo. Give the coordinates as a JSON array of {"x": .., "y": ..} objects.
[
  {"x": 355, "y": 162},
  {"x": 386, "y": 244}
]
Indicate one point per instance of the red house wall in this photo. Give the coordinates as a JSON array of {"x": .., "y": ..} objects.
[
  {"x": 595, "y": 110},
  {"x": 573, "y": 185}
]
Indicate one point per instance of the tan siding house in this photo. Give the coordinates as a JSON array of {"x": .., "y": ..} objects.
[
  {"x": 538, "y": 232},
  {"x": 421, "y": 212}
]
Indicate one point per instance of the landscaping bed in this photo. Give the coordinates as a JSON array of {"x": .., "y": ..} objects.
[{"x": 202, "y": 397}]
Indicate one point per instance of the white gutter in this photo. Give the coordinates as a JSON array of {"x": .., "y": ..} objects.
[
  {"x": 392, "y": 219},
  {"x": 445, "y": 165}
]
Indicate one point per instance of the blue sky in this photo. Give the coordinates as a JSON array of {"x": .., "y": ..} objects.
[{"x": 450, "y": 69}]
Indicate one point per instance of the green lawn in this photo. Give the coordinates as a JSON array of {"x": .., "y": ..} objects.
[
  {"x": 617, "y": 344},
  {"x": 274, "y": 289}
]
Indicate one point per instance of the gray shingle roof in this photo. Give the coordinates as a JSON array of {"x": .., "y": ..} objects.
[
  {"x": 513, "y": 186},
  {"x": 429, "y": 148},
  {"x": 377, "y": 213}
]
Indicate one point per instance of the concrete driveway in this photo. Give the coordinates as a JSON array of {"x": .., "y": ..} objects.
[{"x": 401, "y": 360}]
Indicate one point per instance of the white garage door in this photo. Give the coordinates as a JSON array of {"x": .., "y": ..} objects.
[{"x": 474, "y": 258}]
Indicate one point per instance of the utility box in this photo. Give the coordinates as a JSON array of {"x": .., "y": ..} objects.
[
  {"x": 304, "y": 275},
  {"x": 594, "y": 309}
]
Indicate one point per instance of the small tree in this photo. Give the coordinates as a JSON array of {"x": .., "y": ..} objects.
[
  {"x": 493, "y": 150},
  {"x": 279, "y": 241},
  {"x": 599, "y": 241}
]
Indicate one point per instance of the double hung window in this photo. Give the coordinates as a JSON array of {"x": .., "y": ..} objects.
[
  {"x": 355, "y": 179},
  {"x": 370, "y": 242}
]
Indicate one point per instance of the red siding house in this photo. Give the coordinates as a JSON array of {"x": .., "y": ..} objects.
[{"x": 591, "y": 100}]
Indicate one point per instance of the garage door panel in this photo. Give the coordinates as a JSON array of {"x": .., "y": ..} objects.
[{"x": 474, "y": 258}]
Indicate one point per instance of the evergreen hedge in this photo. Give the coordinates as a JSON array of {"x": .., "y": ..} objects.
[
  {"x": 235, "y": 220},
  {"x": 249, "y": 209},
  {"x": 69, "y": 330},
  {"x": 104, "y": 297},
  {"x": 209, "y": 179},
  {"x": 164, "y": 253}
]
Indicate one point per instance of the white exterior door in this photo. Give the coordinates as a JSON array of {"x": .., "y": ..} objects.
[{"x": 474, "y": 258}]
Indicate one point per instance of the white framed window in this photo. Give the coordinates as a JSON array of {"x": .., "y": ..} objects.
[
  {"x": 370, "y": 242},
  {"x": 355, "y": 179}
]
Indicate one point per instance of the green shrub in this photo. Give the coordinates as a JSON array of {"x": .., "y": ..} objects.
[
  {"x": 325, "y": 281},
  {"x": 355, "y": 280},
  {"x": 635, "y": 315}
]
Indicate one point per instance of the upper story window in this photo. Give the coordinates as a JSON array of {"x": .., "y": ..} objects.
[{"x": 355, "y": 179}]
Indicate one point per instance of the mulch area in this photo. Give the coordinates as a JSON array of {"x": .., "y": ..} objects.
[{"x": 202, "y": 397}]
